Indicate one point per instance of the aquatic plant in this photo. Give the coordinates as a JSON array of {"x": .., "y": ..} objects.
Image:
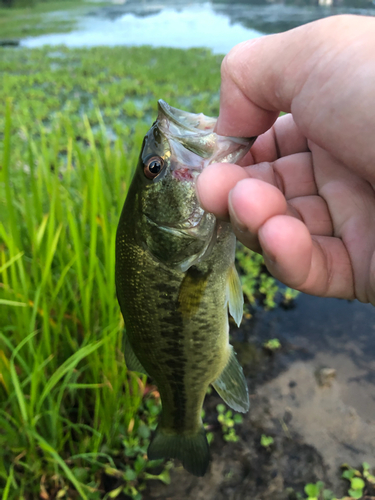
[
  {"x": 360, "y": 484},
  {"x": 357, "y": 479},
  {"x": 315, "y": 491},
  {"x": 64, "y": 388},
  {"x": 227, "y": 420},
  {"x": 266, "y": 441},
  {"x": 272, "y": 344},
  {"x": 258, "y": 286}
]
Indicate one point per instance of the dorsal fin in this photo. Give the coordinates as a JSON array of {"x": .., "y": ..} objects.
[{"x": 235, "y": 295}]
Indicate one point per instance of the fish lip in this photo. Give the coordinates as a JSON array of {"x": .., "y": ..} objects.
[{"x": 182, "y": 229}]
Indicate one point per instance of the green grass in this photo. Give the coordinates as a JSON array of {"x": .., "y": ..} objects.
[
  {"x": 64, "y": 388},
  {"x": 71, "y": 127},
  {"x": 73, "y": 123}
]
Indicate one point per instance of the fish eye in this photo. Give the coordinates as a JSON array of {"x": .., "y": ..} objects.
[{"x": 153, "y": 167}]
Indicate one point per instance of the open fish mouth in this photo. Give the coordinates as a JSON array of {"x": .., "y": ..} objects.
[
  {"x": 195, "y": 132},
  {"x": 186, "y": 120}
]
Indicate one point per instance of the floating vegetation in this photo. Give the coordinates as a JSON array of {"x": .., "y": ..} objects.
[{"x": 227, "y": 419}]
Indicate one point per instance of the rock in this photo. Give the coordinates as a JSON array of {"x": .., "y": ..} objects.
[{"x": 325, "y": 376}]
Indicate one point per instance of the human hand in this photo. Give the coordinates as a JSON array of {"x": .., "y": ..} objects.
[{"x": 306, "y": 200}]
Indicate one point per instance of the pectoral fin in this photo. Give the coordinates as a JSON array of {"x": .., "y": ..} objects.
[
  {"x": 235, "y": 295},
  {"x": 131, "y": 360},
  {"x": 231, "y": 385}
]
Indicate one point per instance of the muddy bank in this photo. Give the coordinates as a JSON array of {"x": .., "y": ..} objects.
[
  {"x": 321, "y": 418},
  {"x": 315, "y": 397},
  {"x": 245, "y": 469}
]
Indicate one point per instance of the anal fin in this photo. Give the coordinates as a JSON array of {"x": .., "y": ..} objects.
[
  {"x": 131, "y": 360},
  {"x": 231, "y": 385},
  {"x": 235, "y": 295}
]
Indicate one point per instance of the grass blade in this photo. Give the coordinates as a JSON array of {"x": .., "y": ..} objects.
[
  {"x": 12, "y": 303},
  {"x": 49, "y": 449},
  {"x": 67, "y": 366},
  {"x": 8, "y": 483}
]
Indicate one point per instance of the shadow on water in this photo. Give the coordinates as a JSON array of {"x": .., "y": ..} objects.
[
  {"x": 315, "y": 324},
  {"x": 271, "y": 18}
]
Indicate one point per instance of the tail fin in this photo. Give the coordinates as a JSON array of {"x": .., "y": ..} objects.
[{"x": 192, "y": 450}]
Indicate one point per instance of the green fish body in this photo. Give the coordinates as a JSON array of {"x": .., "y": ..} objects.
[{"x": 175, "y": 278}]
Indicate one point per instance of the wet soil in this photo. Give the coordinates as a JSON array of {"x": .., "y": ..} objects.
[
  {"x": 315, "y": 397},
  {"x": 245, "y": 469}
]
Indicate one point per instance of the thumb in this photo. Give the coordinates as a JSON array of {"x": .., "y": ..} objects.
[{"x": 312, "y": 71}]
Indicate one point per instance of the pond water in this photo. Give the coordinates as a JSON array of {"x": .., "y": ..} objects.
[
  {"x": 189, "y": 26},
  {"x": 218, "y": 26}
]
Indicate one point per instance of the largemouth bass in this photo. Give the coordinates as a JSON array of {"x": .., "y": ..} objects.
[{"x": 175, "y": 279}]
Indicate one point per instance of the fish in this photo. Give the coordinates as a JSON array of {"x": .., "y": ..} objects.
[{"x": 176, "y": 279}]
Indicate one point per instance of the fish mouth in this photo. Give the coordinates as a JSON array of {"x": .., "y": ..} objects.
[{"x": 195, "y": 132}]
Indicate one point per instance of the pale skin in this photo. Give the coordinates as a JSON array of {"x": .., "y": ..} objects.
[{"x": 306, "y": 198}]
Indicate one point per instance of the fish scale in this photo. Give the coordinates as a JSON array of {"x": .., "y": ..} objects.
[{"x": 175, "y": 278}]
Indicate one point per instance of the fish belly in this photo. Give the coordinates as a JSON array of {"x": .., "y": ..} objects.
[{"x": 182, "y": 351}]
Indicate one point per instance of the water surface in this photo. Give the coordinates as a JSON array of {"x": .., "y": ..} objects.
[
  {"x": 192, "y": 25},
  {"x": 215, "y": 25}
]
